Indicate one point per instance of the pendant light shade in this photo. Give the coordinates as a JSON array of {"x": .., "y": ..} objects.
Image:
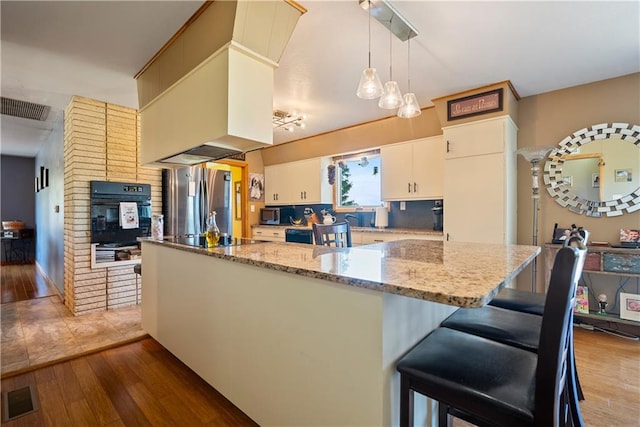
[
  {"x": 370, "y": 86},
  {"x": 392, "y": 97},
  {"x": 410, "y": 108}
]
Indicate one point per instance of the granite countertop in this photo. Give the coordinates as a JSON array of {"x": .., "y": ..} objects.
[
  {"x": 454, "y": 273},
  {"x": 365, "y": 229}
]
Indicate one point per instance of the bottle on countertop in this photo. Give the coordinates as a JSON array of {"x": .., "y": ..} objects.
[{"x": 213, "y": 232}]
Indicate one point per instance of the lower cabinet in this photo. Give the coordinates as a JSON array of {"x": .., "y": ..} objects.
[
  {"x": 372, "y": 237},
  {"x": 269, "y": 234}
]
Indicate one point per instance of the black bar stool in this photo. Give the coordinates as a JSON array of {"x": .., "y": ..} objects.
[
  {"x": 522, "y": 329},
  {"x": 490, "y": 383}
]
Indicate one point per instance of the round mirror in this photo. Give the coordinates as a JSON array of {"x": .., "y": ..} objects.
[{"x": 596, "y": 170}]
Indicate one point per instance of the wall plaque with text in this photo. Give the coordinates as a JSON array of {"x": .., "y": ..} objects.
[{"x": 480, "y": 103}]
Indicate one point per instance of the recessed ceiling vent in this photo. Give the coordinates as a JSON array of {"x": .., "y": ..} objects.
[{"x": 24, "y": 109}]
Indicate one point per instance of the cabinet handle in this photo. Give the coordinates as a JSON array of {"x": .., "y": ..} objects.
[
  {"x": 415, "y": 187},
  {"x": 305, "y": 195},
  {"x": 447, "y": 237},
  {"x": 409, "y": 187},
  {"x": 448, "y": 150},
  {"x": 301, "y": 196}
]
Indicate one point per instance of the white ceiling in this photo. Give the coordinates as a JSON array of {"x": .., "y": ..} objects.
[{"x": 52, "y": 50}]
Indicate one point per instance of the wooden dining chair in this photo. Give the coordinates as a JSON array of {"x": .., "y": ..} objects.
[
  {"x": 489, "y": 383},
  {"x": 337, "y": 234}
]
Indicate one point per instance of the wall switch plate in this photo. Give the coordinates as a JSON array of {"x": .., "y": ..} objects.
[
  {"x": 253, "y": 208},
  {"x": 403, "y": 206}
]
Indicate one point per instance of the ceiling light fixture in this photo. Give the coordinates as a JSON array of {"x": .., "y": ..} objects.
[
  {"x": 392, "y": 97},
  {"x": 370, "y": 86},
  {"x": 287, "y": 121},
  {"x": 411, "y": 108}
]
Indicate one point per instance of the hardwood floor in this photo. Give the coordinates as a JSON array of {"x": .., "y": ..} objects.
[
  {"x": 23, "y": 282},
  {"x": 143, "y": 384},
  {"x": 138, "y": 384}
]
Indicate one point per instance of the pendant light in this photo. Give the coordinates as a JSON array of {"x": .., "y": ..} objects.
[
  {"x": 370, "y": 86},
  {"x": 392, "y": 97},
  {"x": 411, "y": 108}
]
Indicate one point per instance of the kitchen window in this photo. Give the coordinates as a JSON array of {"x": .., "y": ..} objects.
[{"x": 357, "y": 181}]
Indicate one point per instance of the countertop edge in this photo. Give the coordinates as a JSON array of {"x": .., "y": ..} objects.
[{"x": 466, "y": 302}]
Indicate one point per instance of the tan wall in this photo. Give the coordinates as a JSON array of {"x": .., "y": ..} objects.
[
  {"x": 355, "y": 138},
  {"x": 101, "y": 142},
  {"x": 548, "y": 118}
]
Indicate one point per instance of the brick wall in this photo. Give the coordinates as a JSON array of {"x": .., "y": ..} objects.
[{"x": 101, "y": 142}]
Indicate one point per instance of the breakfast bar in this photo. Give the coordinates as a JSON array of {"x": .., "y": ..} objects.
[{"x": 297, "y": 334}]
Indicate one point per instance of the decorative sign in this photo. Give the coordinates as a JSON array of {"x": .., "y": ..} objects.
[{"x": 481, "y": 103}]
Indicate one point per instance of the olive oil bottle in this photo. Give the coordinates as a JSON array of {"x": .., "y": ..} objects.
[{"x": 213, "y": 232}]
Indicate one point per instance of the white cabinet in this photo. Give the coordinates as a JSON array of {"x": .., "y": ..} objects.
[
  {"x": 371, "y": 237},
  {"x": 480, "y": 181},
  {"x": 413, "y": 170},
  {"x": 270, "y": 234},
  {"x": 300, "y": 183}
]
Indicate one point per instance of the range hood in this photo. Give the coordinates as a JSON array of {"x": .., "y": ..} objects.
[{"x": 209, "y": 94}]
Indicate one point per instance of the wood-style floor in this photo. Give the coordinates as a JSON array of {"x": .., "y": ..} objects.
[{"x": 23, "y": 282}]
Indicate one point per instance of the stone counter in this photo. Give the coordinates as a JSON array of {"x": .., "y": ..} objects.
[
  {"x": 419, "y": 231},
  {"x": 452, "y": 273}
]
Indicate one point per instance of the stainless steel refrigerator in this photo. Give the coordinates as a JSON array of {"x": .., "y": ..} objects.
[{"x": 190, "y": 194}]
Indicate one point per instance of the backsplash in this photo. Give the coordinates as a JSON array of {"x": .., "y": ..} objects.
[{"x": 417, "y": 215}]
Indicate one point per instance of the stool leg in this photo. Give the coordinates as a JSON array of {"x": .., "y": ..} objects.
[
  {"x": 444, "y": 418},
  {"x": 574, "y": 390},
  {"x": 406, "y": 403}
]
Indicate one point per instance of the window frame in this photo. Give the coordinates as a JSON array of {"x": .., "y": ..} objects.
[{"x": 351, "y": 157}]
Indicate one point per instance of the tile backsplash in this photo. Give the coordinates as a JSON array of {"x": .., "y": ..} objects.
[{"x": 417, "y": 214}]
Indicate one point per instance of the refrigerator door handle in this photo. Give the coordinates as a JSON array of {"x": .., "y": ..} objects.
[{"x": 204, "y": 197}]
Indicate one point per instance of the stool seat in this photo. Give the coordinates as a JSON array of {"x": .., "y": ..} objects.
[
  {"x": 523, "y": 301},
  {"x": 466, "y": 371},
  {"x": 517, "y": 329}
]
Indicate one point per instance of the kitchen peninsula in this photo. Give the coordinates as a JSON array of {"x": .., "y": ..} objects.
[{"x": 297, "y": 334}]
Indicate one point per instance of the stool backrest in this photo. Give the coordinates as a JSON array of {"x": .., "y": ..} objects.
[
  {"x": 337, "y": 234},
  {"x": 555, "y": 335}
]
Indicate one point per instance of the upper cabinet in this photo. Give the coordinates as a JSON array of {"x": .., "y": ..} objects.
[
  {"x": 479, "y": 188},
  {"x": 300, "y": 183},
  {"x": 413, "y": 170}
]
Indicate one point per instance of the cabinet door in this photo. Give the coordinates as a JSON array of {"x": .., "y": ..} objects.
[
  {"x": 428, "y": 168},
  {"x": 268, "y": 234},
  {"x": 396, "y": 172},
  {"x": 308, "y": 182},
  {"x": 276, "y": 185},
  {"x": 475, "y": 206},
  {"x": 472, "y": 139}
]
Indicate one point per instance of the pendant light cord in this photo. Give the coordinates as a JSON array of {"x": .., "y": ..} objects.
[
  {"x": 409, "y": 65},
  {"x": 390, "y": 57},
  {"x": 369, "y": 2}
]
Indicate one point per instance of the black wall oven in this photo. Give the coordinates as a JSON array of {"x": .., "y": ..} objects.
[{"x": 106, "y": 222}]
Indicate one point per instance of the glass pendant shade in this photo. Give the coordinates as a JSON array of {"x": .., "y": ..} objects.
[
  {"x": 410, "y": 108},
  {"x": 392, "y": 97},
  {"x": 370, "y": 86}
]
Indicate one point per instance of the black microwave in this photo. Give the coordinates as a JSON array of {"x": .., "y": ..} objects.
[{"x": 269, "y": 216}]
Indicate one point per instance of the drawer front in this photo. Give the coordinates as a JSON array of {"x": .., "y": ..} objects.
[
  {"x": 621, "y": 263},
  {"x": 592, "y": 262}
]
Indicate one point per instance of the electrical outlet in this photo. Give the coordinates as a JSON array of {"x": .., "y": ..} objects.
[
  {"x": 253, "y": 208},
  {"x": 403, "y": 206}
]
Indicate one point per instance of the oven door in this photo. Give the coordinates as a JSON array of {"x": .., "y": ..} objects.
[
  {"x": 298, "y": 235},
  {"x": 105, "y": 221}
]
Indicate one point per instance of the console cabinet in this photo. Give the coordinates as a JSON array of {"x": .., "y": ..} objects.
[{"x": 602, "y": 266}]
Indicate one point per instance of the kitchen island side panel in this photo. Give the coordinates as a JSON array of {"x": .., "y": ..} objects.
[{"x": 286, "y": 349}]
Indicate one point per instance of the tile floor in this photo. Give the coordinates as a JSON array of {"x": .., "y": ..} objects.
[{"x": 39, "y": 331}]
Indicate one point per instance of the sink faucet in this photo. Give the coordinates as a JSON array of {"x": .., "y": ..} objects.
[{"x": 347, "y": 216}]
